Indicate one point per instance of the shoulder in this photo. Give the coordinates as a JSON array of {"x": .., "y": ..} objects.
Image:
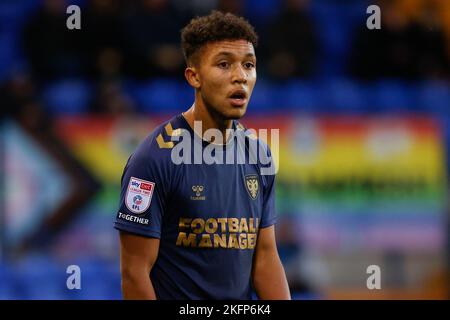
[
  {"x": 156, "y": 148},
  {"x": 252, "y": 136},
  {"x": 258, "y": 147}
]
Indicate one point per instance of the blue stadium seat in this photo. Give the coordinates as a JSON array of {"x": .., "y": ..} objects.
[
  {"x": 99, "y": 280},
  {"x": 6, "y": 55},
  {"x": 333, "y": 36},
  {"x": 259, "y": 11},
  {"x": 10, "y": 12},
  {"x": 67, "y": 97},
  {"x": 39, "y": 277},
  {"x": 159, "y": 95},
  {"x": 435, "y": 97},
  {"x": 8, "y": 283},
  {"x": 263, "y": 98},
  {"x": 114, "y": 281},
  {"x": 13, "y": 16},
  {"x": 299, "y": 96},
  {"x": 186, "y": 95},
  {"x": 393, "y": 96},
  {"x": 342, "y": 96}
]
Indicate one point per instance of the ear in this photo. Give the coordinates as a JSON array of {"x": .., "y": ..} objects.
[{"x": 192, "y": 77}]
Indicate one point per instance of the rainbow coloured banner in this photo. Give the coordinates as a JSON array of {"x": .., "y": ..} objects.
[{"x": 359, "y": 182}]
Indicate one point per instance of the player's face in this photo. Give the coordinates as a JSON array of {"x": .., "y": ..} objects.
[{"x": 227, "y": 75}]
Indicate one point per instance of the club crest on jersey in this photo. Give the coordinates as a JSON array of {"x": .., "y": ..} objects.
[
  {"x": 139, "y": 195},
  {"x": 252, "y": 185}
]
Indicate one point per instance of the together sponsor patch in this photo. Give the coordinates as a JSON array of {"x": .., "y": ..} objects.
[{"x": 131, "y": 218}]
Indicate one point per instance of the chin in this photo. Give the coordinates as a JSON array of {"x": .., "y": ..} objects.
[{"x": 236, "y": 113}]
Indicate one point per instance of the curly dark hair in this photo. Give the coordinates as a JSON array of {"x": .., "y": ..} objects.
[{"x": 216, "y": 26}]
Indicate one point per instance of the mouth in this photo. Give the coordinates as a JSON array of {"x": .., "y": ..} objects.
[{"x": 238, "y": 98}]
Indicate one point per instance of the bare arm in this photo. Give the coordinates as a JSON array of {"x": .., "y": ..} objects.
[
  {"x": 269, "y": 278},
  {"x": 137, "y": 257}
]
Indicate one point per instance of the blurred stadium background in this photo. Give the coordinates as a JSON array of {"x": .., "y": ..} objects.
[{"x": 364, "y": 127}]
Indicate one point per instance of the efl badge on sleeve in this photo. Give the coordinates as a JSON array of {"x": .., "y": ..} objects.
[{"x": 139, "y": 195}]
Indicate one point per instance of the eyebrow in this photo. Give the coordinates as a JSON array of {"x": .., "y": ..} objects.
[{"x": 229, "y": 54}]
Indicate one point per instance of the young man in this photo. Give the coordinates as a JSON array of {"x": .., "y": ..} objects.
[{"x": 202, "y": 231}]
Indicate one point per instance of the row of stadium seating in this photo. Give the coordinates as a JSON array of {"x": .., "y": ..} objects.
[
  {"x": 42, "y": 278},
  {"x": 335, "y": 21},
  {"x": 45, "y": 279},
  {"x": 332, "y": 96}
]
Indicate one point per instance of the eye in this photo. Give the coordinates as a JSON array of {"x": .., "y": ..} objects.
[
  {"x": 223, "y": 65},
  {"x": 249, "y": 65}
]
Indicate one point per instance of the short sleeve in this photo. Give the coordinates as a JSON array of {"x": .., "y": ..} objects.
[{"x": 142, "y": 196}]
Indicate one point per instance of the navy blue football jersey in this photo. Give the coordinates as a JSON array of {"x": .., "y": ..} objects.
[{"x": 207, "y": 216}]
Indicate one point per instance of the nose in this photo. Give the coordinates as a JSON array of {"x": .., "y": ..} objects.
[{"x": 239, "y": 75}]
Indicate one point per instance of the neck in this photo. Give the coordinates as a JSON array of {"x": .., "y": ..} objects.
[{"x": 209, "y": 119}]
